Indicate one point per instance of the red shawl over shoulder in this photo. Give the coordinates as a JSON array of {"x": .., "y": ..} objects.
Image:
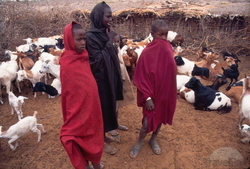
[
  {"x": 155, "y": 77},
  {"x": 82, "y": 131}
]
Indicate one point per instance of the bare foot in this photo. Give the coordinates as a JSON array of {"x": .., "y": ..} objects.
[
  {"x": 155, "y": 147},
  {"x": 135, "y": 151}
]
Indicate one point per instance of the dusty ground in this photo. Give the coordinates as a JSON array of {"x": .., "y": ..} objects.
[{"x": 196, "y": 140}]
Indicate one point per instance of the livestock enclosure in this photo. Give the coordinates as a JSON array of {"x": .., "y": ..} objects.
[
  {"x": 196, "y": 140},
  {"x": 230, "y": 32}
]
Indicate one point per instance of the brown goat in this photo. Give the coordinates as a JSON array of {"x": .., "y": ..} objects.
[
  {"x": 23, "y": 61},
  {"x": 235, "y": 93},
  {"x": 133, "y": 59},
  {"x": 55, "y": 52}
]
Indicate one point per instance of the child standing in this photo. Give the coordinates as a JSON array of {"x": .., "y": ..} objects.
[
  {"x": 128, "y": 92},
  {"x": 82, "y": 130},
  {"x": 155, "y": 79}
]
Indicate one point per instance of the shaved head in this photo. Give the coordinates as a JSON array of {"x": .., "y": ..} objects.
[{"x": 158, "y": 24}]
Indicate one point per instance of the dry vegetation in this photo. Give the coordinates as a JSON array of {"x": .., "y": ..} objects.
[
  {"x": 194, "y": 136},
  {"x": 230, "y": 33}
]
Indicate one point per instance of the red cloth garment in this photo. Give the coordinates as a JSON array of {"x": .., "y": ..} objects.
[
  {"x": 155, "y": 77},
  {"x": 82, "y": 130}
]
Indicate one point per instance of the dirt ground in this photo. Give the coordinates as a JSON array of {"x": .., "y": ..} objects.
[{"x": 196, "y": 140}]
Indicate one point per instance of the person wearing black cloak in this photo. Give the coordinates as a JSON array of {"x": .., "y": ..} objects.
[{"x": 105, "y": 65}]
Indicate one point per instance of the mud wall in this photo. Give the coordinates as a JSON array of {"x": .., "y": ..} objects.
[{"x": 231, "y": 33}]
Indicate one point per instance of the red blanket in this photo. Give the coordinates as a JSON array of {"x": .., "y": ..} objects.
[
  {"x": 82, "y": 131},
  {"x": 155, "y": 77}
]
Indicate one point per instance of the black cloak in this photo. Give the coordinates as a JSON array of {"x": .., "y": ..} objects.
[{"x": 104, "y": 62}]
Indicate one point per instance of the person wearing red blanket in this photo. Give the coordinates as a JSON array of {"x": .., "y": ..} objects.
[
  {"x": 155, "y": 79},
  {"x": 82, "y": 131}
]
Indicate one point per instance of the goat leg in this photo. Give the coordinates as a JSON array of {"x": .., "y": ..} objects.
[
  {"x": 11, "y": 141},
  {"x": 35, "y": 130},
  {"x": 41, "y": 126},
  {"x": 12, "y": 110},
  {"x": 241, "y": 118}
]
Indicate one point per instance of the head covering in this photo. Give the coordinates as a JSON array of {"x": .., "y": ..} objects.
[
  {"x": 96, "y": 15},
  {"x": 68, "y": 37},
  {"x": 82, "y": 131},
  {"x": 69, "y": 41}
]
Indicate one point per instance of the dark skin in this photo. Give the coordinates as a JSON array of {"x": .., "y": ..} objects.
[
  {"x": 80, "y": 42},
  {"x": 161, "y": 33},
  {"x": 107, "y": 22},
  {"x": 113, "y": 38},
  {"x": 79, "y": 39}
]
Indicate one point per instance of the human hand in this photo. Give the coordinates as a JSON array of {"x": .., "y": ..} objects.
[
  {"x": 150, "y": 105},
  {"x": 111, "y": 34}
]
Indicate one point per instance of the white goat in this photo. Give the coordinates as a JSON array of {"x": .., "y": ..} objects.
[
  {"x": 33, "y": 75},
  {"x": 181, "y": 80},
  {"x": 244, "y": 112},
  {"x": 7, "y": 75},
  {"x": 187, "y": 94},
  {"x": 24, "y": 48},
  {"x": 16, "y": 104},
  {"x": 21, "y": 128},
  {"x": 56, "y": 83},
  {"x": 49, "y": 67},
  {"x": 47, "y": 56},
  {"x": 44, "y": 41},
  {"x": 139, "y": 50}
]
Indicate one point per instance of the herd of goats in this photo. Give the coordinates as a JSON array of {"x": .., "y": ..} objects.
[{"x": 39, "y": 59}]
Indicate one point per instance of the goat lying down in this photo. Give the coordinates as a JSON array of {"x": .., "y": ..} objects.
[
  {"x": 49, "y": 89},
  {"x": 207, "y": 98},
  {"x": 21, "y": 128},
  {"x": 188, "y": 94}
]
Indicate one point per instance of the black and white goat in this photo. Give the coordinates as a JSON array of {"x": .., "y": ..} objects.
[
  {"x": 207, "y": 98},
  {"x": 42, "y": 87},
  {"x": 188, "y": 94},
  {"x": 184, "y": 66}
]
